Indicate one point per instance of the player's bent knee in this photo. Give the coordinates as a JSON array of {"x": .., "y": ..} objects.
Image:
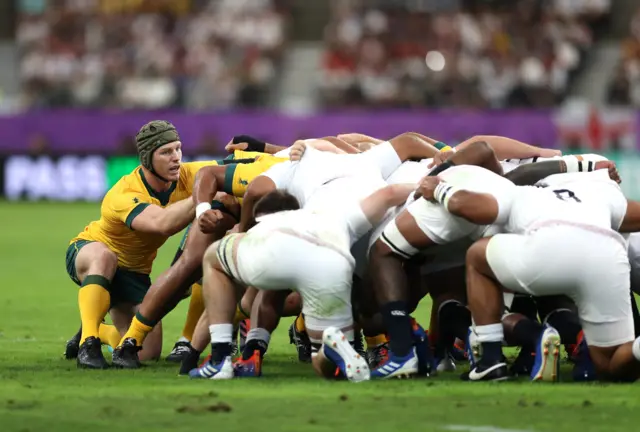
[
  {"x": 210, "y": 257},
  {"x": 477, "y": 254},
  {"x": 97, "y": 259}
]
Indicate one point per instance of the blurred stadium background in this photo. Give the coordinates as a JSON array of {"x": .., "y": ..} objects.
[{"x": 78, "y": 78}]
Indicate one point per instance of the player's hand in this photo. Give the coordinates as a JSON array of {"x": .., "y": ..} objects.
[
  {"x": 427, "y": 187},
  {"x": 441, "y": 157},
  {"x": 611, "y": 167},
  {"x": 231, "y": 146},
  {"x": 297, "y": 150},
  {"x": 208, "y": 221},
  {"x": 549, "y": 153},
  {"x": 230, "y": 203}
]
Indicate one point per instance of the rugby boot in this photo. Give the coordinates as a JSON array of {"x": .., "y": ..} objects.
[
  {"x": 458, "y": 351},
  {"x": 252, "y": 367},
  {"x": 189, "y": 362},
  {"x": 523, "y": 364},
  {"x": 337, "y": 348},
  {"x": 90, "y": 355},
  {"x": 547, "y": 364},
  {"x": 445, "y": 363},
  {"x": 497, "y": 371},
  {"x": 216, "y": 371},
  {"x": 126, "y": 355},
  {"x": 302, "y": 343},
  {"x": 396, "y": 366},
  {"x": 358, "y": 344},
  {"x": 377, "y": 355},
  {"x": 583, "y": 369},
  {"x": 423, "y": 350},
  {"x": 180, "y": 350},
  {"x": 73, "y": 346}
]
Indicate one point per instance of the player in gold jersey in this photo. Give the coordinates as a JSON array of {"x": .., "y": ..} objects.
[
  {"x": 112, "y": 258},
  {"x": 171, "y": 285}
]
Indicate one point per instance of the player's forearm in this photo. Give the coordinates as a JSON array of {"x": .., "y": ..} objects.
[
  {"x": 530, "y": 174},
  {"x": 425, "y": 138},
  {"x": 410, "y": 146},
  {"x": 205, "y": 186},
  {"x": 176, "y": 217},
  {"x": 375, "y": 206},
  {"x": 356, "y": 139},
  {"x": 272, "y": 148},
  {"x": 480, "y": 209},
  {"x": 508, "y": 148},
  {"x": 342, "y": 145}
]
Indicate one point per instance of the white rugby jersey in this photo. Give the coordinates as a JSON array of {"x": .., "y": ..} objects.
[{"x": 316, "y": 169}]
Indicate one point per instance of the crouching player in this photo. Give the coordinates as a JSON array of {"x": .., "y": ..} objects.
[
  {"x": 112, "y": 258},
  {"x": 305, "y": 251}
]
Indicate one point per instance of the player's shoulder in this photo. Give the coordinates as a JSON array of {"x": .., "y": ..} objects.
[{"x": 129, "y": 185}]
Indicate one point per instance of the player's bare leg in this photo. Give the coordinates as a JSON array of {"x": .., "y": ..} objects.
[
  {"x": 450, "y": 315},
  {"x": 95, "y": 267},
  {"x": 166, "y": 292},
  {"x": 485, "y": 301},
  {"x": 618, "y": 363},
  {"x": 268, "y": 307},
  {"x": 386, "y": 263},
  {"x": 220, "y": 304}
]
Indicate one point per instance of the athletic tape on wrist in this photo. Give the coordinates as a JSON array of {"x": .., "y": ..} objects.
[
  {"x": 201, "y": 208},
  {"x": 443, "y": 193},
  {"x": 578, "y": 165}
]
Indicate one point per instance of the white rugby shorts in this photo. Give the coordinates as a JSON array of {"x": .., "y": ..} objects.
[{"x": 588, "y": 266}]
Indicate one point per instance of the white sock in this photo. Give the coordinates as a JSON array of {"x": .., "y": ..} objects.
[
  {"x": 259, "y": 334},
  {"x": 635, "y": 349},
  {"x": 221, "y": 333},
  {"x": 183, "y": 339},
  {"x": 490, "y": 333}
]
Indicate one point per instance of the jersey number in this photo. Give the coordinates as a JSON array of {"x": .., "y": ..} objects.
[{"x": 566, "y": 194}]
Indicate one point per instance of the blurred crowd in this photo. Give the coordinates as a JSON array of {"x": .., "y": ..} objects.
[
  {"x": 457, "y": 53},
  {"x": 625, "y": 86},
  {"x": 195, "y": 54}
]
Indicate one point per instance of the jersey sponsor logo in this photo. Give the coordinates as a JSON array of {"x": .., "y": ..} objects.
[
  {"x": 243, "y": 182},
  {"x": 136, "y": 200}
]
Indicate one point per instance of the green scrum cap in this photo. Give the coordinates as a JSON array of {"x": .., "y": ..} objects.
[{"x": 151, "y": 137}]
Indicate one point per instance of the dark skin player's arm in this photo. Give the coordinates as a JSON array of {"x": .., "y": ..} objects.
[
  {"x": 477, "y": 208},
  {"x": 207, "y": 183},
  {"x": 530, "y": 174},
  {"x": 258, "y": 188}
]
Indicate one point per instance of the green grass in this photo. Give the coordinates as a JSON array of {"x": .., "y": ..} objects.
[{"x": 41, "y": 391}]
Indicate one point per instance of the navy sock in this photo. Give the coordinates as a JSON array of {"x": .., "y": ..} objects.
[{"x": 398, "y": 323}]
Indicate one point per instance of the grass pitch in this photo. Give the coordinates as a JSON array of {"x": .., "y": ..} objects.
[{"x": 41, "y": 391}]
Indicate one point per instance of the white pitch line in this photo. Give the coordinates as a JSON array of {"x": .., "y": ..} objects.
[{"x": 469, "y": 428}]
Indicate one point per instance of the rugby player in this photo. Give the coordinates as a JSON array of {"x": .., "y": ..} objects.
[
  {"x": 170, "y": 287},
  {"x": 319, "y": 266},
  {"x": 538, "y": 255},
  {"x": 416, "y": 228},
  {"x": 112, "y": 258}
]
